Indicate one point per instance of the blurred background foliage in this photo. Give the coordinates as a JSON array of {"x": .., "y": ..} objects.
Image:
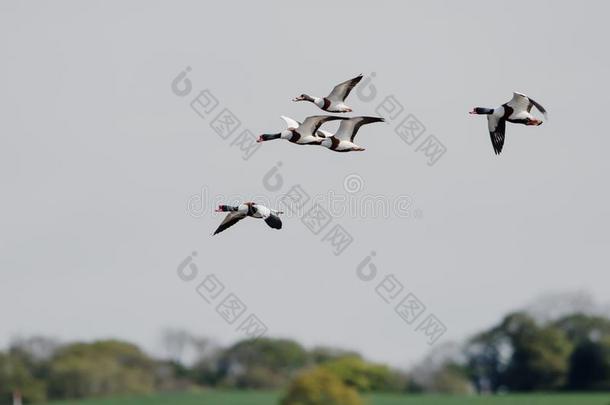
[
  {"x": 523, "y": 352},
  {"x": 320, "y": 386}
]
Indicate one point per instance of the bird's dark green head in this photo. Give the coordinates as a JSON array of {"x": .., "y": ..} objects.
[
  {"x": 482, "y": 111},
  {"x": 268, "y": 137}
]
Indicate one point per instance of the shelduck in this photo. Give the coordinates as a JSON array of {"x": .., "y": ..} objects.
[
  {"x": 248, "y": 209},
  {"x": 517, "y": 111},
  {"x": 335, "y": 101}
]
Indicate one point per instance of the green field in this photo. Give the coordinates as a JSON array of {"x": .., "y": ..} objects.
[{"x": 271, "y": 398}]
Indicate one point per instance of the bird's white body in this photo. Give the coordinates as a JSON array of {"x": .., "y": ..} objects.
[
  {"x": 302, "y": 139},
  {"x": 329, "y": 105},
  {"x": 343, "y": 139},
  {"x": 342, "y": 146},
  {"x": 305, "y": 133}
]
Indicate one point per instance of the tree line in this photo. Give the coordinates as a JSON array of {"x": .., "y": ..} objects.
[{"x": 517, "y": 354}]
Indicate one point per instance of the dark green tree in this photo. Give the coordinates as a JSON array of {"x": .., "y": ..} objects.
[
  {"x": 581, "y": 327},
  {"x": 520, "y": 355},
  {"x": 540, "y": 356},
  {"x": 260, "y": 363},
  {"x": 16, "y": 377},
  {"x": 100, "y": 368},
  {"x": 590, "y": 366}
]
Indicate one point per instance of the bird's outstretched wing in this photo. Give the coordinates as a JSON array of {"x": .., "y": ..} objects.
[
  {"x": 342, "y": 90},
  {"x": 349, "y": 128},
  {"x": 231, "y": 219},
  {"x": 290, "y": 123},
  {"x": 311, "y": 124},
  {"x": 539, "y": 107},
  {"x": 521, "y": 102},
  {"x": 497, "y": 126}
]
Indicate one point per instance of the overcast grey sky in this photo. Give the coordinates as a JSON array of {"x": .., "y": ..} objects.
[{"x": 98, "y": 160}]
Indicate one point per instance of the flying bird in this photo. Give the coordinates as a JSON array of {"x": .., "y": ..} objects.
[
  {"x": 306, "y": 133},
  {"x": 334, "y": 102},
  {"x": 517, "y": 111},
  {"x": 343, "y": 139},
  {"x": 248, "y": 209}
]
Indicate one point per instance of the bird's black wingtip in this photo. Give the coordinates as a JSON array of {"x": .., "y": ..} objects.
[{"x": 274, "y": 222}]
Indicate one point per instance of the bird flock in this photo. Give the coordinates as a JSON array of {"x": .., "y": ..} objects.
[
  {"x": 517, "y": 111},
  {"x": 308, "y": 132}
]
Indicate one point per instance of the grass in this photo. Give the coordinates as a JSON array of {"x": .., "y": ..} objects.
[{"x": 271, "y": 398}]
